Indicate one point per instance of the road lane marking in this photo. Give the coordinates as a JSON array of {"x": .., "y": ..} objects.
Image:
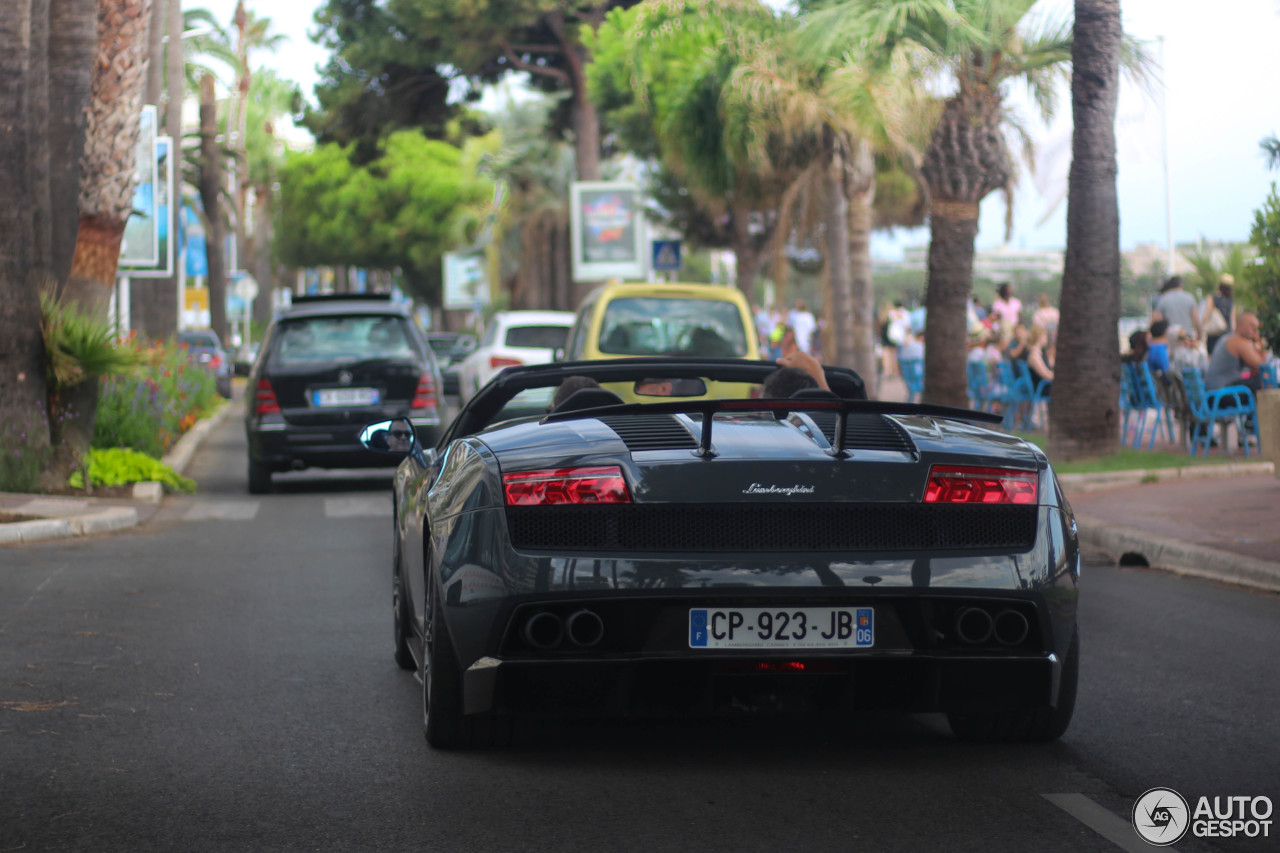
[
  {"x": 223, "y": 511},
  {"x": 370, "y": 507},
  {"x": 1115, "y": 829}
]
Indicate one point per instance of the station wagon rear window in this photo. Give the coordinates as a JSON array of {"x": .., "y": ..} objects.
[
  {"x": 670, "y": 326},
  {"x": 537, "y": 337},
  {"x": 312, "y": 340}
]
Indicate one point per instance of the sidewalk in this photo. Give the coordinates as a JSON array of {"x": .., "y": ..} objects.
[{"x": 61, "y": 516}]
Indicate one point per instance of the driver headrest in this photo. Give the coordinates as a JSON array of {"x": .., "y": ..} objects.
[
  {"x": 814, "y": 394},
  {"x": 588, "y": 398}
]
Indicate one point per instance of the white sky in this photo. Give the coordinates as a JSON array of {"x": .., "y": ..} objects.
[{"x": 1222, "y": 98}]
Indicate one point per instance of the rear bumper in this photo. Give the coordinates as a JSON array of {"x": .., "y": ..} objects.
[
  {"x": 706, "y": 686},
  {"x": 286, "y": 446}
]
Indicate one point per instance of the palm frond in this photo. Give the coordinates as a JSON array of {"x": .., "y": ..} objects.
[{"x": 1271, "y": 148}]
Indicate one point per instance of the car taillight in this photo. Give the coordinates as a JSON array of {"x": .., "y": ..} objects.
[
  {"x": 958, "y": 484},
  {"x": 497, "y": 361},
  {"x": 264, "y": 401},
  {"x": 556, "y": 486},
  {"x": 215, "y": 361},
  {"x": 425, "y": 395}
]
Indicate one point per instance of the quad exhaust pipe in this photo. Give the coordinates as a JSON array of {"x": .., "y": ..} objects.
[
  {"x": 1011, "y": 627},
  {"x": 545, "y": 630},
  {"x": 976, "y": 626}
]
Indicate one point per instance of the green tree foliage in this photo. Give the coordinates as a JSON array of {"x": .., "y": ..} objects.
[
  {"x": 1264, "y": 273},
  {"x": 401, "y": 211},
  {"x": 383, "y": 76}
]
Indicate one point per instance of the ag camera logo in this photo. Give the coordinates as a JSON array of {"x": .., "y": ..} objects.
[{"x": 1161, "y": 817}]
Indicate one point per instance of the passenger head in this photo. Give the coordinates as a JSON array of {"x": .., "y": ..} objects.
[
  {"x": 786, "y": 381},
  {"x": 570, "y": 385},
  {"x": 654, "y": 387},
  {"x": 1159, "y": 328}
]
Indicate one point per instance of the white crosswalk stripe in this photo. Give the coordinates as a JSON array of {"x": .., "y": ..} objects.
[
  {"x": 369, "y": 507},
  {"x": 223, "y": 511}
]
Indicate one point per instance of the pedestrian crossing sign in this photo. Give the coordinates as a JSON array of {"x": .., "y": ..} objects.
[{"x": 666, "y": 256}]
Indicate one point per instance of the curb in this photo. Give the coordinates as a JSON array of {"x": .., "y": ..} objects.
[
  {"x": 1184, "y": 558},
  {"x": 113, "y": 518}
]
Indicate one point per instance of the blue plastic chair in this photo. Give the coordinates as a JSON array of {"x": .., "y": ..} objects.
[
  {"x": 1128, "y": 401},
  {"x": 1209, "y": 408},
  {"x": 913, "y": 375},
  {"x": 1032, "y": 390},
  {"x": 980, "y": 391},
  {"x": 1017, "y": 393},
  {"x": 1145, "y": 398}
]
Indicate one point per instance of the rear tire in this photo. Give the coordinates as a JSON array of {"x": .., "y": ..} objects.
[
  {"x": 259, "y": 477},
  {"x": 443, "y": 722},
  {"x": 400, "y": 614},
  {"x": 1039, "y": 724}
]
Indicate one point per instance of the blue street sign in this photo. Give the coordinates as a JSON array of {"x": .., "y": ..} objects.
[{"x": 666, "y": 256}]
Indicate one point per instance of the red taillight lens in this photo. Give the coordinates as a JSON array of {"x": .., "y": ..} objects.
[
  {"x": 496, "y": 362},
  {"x": 957, "y": 484},
  {"x": 558, "y": 486},
  {"x": 264, "y": 401},
  {"x": 215, "y": 361},
  {"x": 425, "y": 395}
]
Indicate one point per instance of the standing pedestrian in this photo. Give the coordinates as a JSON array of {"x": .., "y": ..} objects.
[
  {"x": 803, "y": 324},
  {"x": 1177, "y": 306},
  {"x": 1218, "y": 313}
]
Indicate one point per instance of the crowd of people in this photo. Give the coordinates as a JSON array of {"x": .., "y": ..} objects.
[
  {"x": 1211, "y": 335},
  {"x": 782, "y": 332}
]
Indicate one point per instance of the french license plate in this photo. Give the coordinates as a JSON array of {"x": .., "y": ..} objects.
[
  {"x": 782, "y": 628},
  {"x": 345, "y": 397}
]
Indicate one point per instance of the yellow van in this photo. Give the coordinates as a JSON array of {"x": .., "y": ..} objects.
[{"x": 623, "y": 320}]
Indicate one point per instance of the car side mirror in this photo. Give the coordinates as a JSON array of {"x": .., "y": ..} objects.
[
  {"x": 558, "y": 355},
  {"x": 395, "y": 437}
]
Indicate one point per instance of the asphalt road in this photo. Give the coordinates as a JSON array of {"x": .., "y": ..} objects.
[{"x": 221, "y": 679}]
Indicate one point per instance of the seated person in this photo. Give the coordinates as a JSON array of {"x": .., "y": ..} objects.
[
  {"x": 1187, "y": 354},
  {"x": 568, "y": 387},
  {"x": 786, "y": 381},
  {"x": 1158, "y": 347},
  {"x": 1238, "y": 357},
  {"x": 1038, "y": 359}
]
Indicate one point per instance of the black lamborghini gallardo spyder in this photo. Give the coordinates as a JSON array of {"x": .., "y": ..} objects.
[{"x": 689, "y": 555}]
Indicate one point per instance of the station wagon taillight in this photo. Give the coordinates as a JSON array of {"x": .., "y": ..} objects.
[
  {"x": 497, "y": 362},
  {"x": 264, "y": 400},
  {"x": 558, "y": 486},
  {"x": 425, "y": 395},
  {"x": 959, "y": 484}
]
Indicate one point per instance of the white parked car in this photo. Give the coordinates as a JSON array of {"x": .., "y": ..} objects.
[{"x": 513, "y": 338}]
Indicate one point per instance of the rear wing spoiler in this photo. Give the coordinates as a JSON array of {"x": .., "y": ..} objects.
[{"x": 780, "y": 407}]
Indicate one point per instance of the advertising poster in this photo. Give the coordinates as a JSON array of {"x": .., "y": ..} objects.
[
  {"x": 606, "y": 231},
  {"x": 466, "y": 287},
  {"x": 141, "y": 244},
  {"x": 164, "y": 194}
]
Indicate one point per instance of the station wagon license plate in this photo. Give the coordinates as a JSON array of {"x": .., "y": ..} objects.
[
  {"x": 782, "y": 628},
  {"x": 345, "y": 397}
]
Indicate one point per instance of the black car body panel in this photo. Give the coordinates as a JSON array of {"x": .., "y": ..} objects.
[
  {"x": 329, "y": 367},
  {"x": 769, "y": 514}
]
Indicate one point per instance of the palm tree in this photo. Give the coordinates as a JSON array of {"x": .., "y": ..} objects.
[
  {"x": 979, "y": 46},
  {"x": 111, "y": 139},
  {"x": 73, "y": 39},
  {"x": 270, "y": 98},
  {"x": 1084, "y": 407},
  {"x": 22, "y": 384}
]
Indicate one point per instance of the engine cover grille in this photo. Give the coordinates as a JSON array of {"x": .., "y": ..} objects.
[
  {"x": 666, "y": 528},
  {"x": 864, "y": 432},
  {"x": 650, "y": 432}
]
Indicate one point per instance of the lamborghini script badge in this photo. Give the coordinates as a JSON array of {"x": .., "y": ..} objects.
[{"x": 757, "y": 489}]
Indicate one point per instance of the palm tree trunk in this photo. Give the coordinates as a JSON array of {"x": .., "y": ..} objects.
[
  {"x": 263, "y": 266},
  {"x": 38, "y": 136},
  {"x": 22, "y": 384},
  {"x": 835, "y": 216},
  {"x": 746, "y": 254},
  {"x": 861, "y": 355},
  {"x": 1084, "y": 407},
  {"x": 73, "y": 41},
  {"x": 953, "y": 226},
  {"x": 111, "y": 140},
  {"x": 211, "y": 199}
]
